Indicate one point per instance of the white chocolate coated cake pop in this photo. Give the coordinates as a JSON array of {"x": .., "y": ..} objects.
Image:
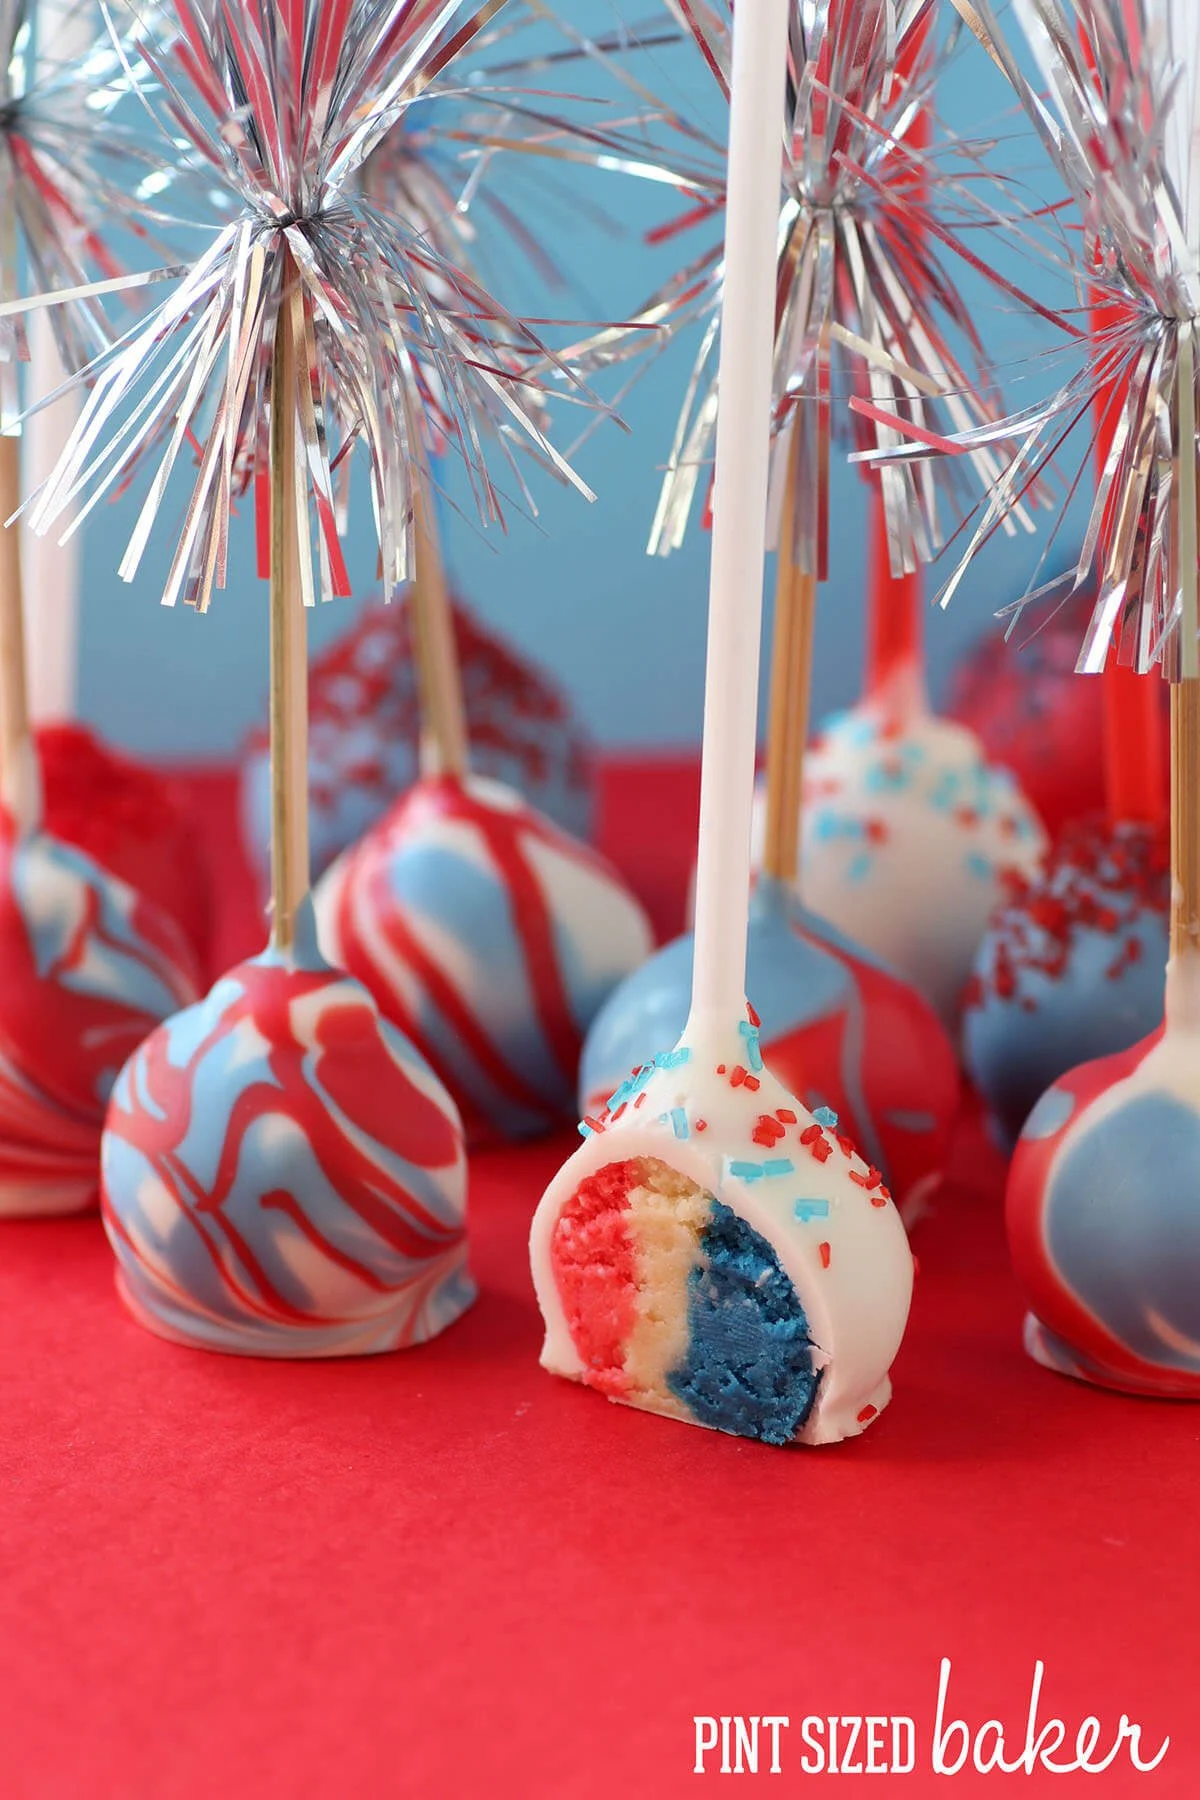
[
  {"x": 715, "y": 1252},
  {"x": 908, "y": 834}
]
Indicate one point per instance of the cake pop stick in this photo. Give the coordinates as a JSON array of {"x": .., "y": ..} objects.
[
  {"x": 18, "y": 766},
  {"x": 711, "y": 1252},
  {"x": 439, "y": 678},
  {"x": 791, "y": 685}
]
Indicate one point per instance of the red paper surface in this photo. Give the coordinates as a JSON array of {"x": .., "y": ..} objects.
[{"x": 444, "y": 1573}]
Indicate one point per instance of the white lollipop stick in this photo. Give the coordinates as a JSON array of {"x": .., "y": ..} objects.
[{"x": 739, "y": 510}]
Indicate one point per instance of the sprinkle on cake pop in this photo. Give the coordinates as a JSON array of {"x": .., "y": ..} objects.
[{"x": 1070, "y": 967}]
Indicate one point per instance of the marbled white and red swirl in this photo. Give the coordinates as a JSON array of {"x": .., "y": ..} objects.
[
  {"x": 283, "y": 1175},
  {"x": 491, "y": 938},
  {"x": 87, "y": 968}
]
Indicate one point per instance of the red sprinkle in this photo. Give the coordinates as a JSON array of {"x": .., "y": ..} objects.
[
  {"x": 737, "y": 1075},
  {"x": 720, "y": 1068},
  {"x": 753, "y": 1083},
  {"x": 867, "y": 1414},
  {"x": 825, "y": 1255},
  {"x": 752, "y": 1016},
  {"x": 785, "y": 1115},
  {"x": 701, "y": 1125},
  {"x": 845, "y": 1145}
]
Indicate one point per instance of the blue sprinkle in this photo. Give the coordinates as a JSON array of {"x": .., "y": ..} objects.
[
  {"x": 673, "y": 1059},
  {"x": 979, "y": 865},
  {"x": 679, "y": 1122},
  {"x": 585, "y": 1129},
  {"x": 811, "y": 1209},
  {"x": 779, "y": 1165},
  {"x": 753, "y": 1053},
  {"x": 860, "y": 868},
  {"x": 745, "y": 1171},
  {"x": 826, "y": 1116}
]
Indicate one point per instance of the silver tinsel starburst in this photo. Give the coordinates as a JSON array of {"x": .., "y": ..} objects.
[
  {"x": 291, "y": 105},
  {"x": 65, "y": 164},
  {"x": 868, "y": 304},
  {"x": 1119, "y": 119}
]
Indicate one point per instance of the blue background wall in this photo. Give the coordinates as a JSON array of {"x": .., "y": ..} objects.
[{"x": 624, "y": 632}]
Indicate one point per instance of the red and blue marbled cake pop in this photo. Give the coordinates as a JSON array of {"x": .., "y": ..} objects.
[
  {"x": 87, "y": 968},
  {"x": 491, "y": 938},
  {"x": 283, "y": 1175},
  {"x": 1071, "y": 966},
  {"x": 1103, "y": 1222},
  {"x": 365, "y": 733},
  {"x": 838, "y": 1029}
]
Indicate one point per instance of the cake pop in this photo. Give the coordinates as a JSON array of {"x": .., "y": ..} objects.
[
  {"x": 718, "y": 1253},
  {"x": 130, "y": 820},
  {"x": 1034, "y": 717},
  {"x": 909, "y": 837},
  {"x": 283, "y": 1174},
  {"x": 490, "y": 937},
  {"x": 1070, "y": 967},
  {"x": 366, "y": 727},
  {"x": 87, "y": 968},
  {"x": 712, "y": 1252},
  {"x": 837, "y": 1029}
]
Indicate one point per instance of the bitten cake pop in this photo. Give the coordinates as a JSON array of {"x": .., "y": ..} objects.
[
  {"x": 366, "y": 728},
  {"x": 837, "y": 1029},
  {"x": 909, "y": 837},
  {"x": 490, "y": 937},
  {"x": 1070, "y": 967},
  {"x": 712, "y": 1252}
]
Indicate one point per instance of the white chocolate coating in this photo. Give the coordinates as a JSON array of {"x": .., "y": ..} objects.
[
  {"x": 905, "y": 842},
  {"x": 833, "y": 1227}
]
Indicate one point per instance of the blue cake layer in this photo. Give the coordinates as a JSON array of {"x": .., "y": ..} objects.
[{"x": 749, "y": 1367}]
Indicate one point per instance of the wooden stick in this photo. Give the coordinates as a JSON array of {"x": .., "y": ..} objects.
[
  {"x": 18, "y": 767},
  {"x": 791, "y": 683},
  {"x": 289, "y": 649},
  {"x": 445, "y": 747},
  {"x": 1185, "y": 816}
]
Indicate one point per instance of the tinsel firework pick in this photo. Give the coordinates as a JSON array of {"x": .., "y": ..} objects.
[
  {"x": 1117, "y": 117},
  {"x": 866, "y": 298},
  {"x": 285, "y": 103},
  {"x": 65, "y": 165},
  {"x": 867, "y": 306}
]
